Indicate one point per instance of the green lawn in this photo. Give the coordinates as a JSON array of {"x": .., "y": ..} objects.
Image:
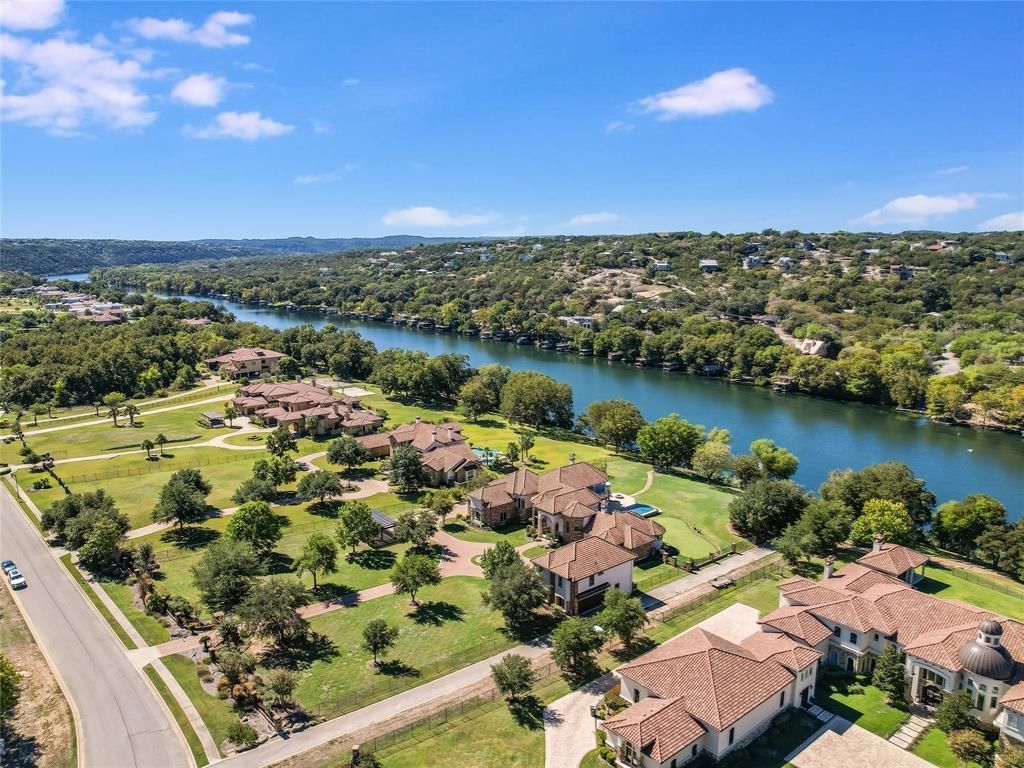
[
  {"x": 651, "y": 573},
  {"x": 100, "y": 438},
  {"x": 450, "y": 629},
  {"x": 593, "y": 760},
  {"x": 695, "y": 514},
  {"x": 152, "y": 630},
  {"x": 248, "y": 439},
  {"x": 867, "y": 708},
  {"x": 513, "y": 534},
  {"x": 194, "y": 745},
  {"x": 627, "y": 475},
  {"x": 947, "y": 584},
  {"x": 933, "y": 748},
  {"x": 217, "y": 714}
]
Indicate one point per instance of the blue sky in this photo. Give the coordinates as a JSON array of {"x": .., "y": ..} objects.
[{"x": 188, "y": 120}]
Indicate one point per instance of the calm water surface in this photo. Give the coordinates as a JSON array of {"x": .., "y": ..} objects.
[{"x": 824, "y": 434}]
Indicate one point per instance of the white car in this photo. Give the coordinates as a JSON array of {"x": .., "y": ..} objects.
[{"x": 16, "y": 579}]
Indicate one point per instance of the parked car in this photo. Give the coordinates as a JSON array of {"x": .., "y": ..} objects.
[
  {"x": 9, "y": 566},
  {"x": 16, "y": 579}
]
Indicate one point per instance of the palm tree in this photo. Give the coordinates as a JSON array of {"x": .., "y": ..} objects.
[
  {"x": 230, "y": 413},
  {"x": 113, "y": 411},
  {"x": 147, "y": 446},
  {"x": 525, "y": 444},
  {"x": 131, "y": 410},
  {"x": 160, "y": 439},
  {"x": 96, "y": 404}
]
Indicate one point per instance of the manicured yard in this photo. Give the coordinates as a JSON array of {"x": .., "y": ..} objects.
[
  {"x": 854, "y": 698},
  {"x": 627, "y": 475},
  {"x": 593, "y": 760},
  {"x": 248, "y": 439},
  {"x": 451, "y": 628},
  {"x": 151, "y": 629},
  {"x": 947, "y": 584},
  {"x": 99, "y": 438},
  {"x": 933, "y": 748},
  {"x": 217, "y": 714},
  {"x": 651, "y": 573},
  {"x": 695, "y": 514},
  {"x": 95, "y": 600},
  {"x": 514, "y": 534},
  {"x": 195, "y": 746}
]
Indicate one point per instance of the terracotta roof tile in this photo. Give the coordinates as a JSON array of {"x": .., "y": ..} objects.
[
  {"x": 660, "y": 728},
  {"x": 583, "y": 558},
  {"x": 893, "y": 559}
]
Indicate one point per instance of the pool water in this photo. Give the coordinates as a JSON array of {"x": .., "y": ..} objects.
[{"x": 643, "y": 510}]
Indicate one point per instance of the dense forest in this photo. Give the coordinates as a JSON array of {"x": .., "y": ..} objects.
[{"x": 884, "y": 308}]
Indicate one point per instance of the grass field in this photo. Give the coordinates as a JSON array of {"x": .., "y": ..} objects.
[
  {"x": 451, "y": 628},
  {"x": 95, "y": 600},
  {"x": 933, "y": 748},
  {"x": 947, "y": 584},
  {"x": 217, "y": 714},
  {"x": 695, "y": 514},
  {"x": 152, "y": 630},
  {"x": 195, "y": 746},
  {"x": 101, "y": 438},
  {"x": 838, "y": 692},
  {"x": 515, "y": 535}
]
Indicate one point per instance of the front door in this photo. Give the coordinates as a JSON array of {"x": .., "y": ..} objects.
[
  {"x": 805, "y": 696},
  {"x": 833, "y": 658},
  {"x": 849, "y": 663}
]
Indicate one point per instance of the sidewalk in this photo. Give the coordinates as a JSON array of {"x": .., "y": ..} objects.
[{"x": 667, "y": 593}]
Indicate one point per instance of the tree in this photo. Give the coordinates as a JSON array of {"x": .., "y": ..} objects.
[
  {"x": 475, "y": 399},
  {"x": 525, "y": 443},
  {"x": 131, "y": 410},
  {"x": 269, "y": 610},
  {"x": 497, "y": 557},
  {"x": 356, "y": 525},
  {"x": 893, "y": 481},
  {"x": 413, "y": 572},
  {"x": 256, "y": 524},
  {"x": 276, "y": 469},
  {"x": 512, "y": 452},
  {"x": 515, "y": 590},
  {"x": 513, "y": 676},
  {"x": 102, "y": 545},
  {"x": 622, "y": 616},
  {"x": 10, "y": 687},
  {"x": 1011, "y": 756},
  {"x": 405, "y": 470},
  {"x": 319, "y": 556},
  {"x": 776, "y": 462},
  {"x": 614, "y": 422},
  {"x": 416, "y": 527},
  {"x": 281, "y": 685},
  {"x": 888, "y": 519},
  {"x": 254, "y": 489},
  {"x": 440, "y": 502},
  {"x": 954, "y": 712},
  {"x": 281, "y": 441},
  {"x": 160, "y": 440},
  {"x": 574, "y": 643},
  {"x": 319, "y": 485},
  {"x": 533, "y": 398},
  {"x": 945, "y": 397},
  {"x": 37, "y": 410},
  {"x": 969, "y": 746},
  {"x": 379, "y": 638},
  {"x": 959, "y": 524},
  {"x": 113, "y": 402},
  {"x": 822, "y": 526},
  {"x": 890, "y": 673},
  {"x": 711, "y": 459},
  {"x": 147, "y": 446},
  {"x": 230, "y": 413},
  {"x": 669, "y": 442},
  {"x": 180, "y": 501},
  {"x": 348, "y": 451},
  {"x": 73, "y": 517},
  {"x": 225, "y": 574},
  {"x": 242, "y": 734},
  {"x": 765, "y": 509}
]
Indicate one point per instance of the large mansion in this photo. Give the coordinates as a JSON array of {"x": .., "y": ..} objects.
[
  {"x": 702, "y": 693},
  {"x": 305, "y": 409},
  {"x": 246, "y": 363},
  {"x": 445, "y": 455}
]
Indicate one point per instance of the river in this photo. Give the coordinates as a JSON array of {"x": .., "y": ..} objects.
[{"x": 824, "y": 434}]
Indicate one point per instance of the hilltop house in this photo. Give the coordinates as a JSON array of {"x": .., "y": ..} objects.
[
  {"x": 246, "y": 363},
  {"x": 444, "y": 454},
  {"x": 296, "y": 405}
]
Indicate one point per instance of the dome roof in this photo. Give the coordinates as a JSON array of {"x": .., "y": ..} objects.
[
  {"x": 990, "y": 627},
  {"x": 991, "y": 661}
]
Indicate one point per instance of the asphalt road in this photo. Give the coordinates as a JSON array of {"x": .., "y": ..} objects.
[{"x": 122, "y": 723}]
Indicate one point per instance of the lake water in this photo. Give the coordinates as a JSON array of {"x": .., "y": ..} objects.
[
  {"x": 80, "y": 277},
  {"x": 824, "y": 434}
]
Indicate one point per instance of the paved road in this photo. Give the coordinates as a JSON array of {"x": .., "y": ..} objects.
[{"x": 122, "y": 723}]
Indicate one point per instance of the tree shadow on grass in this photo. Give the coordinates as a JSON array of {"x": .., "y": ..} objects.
[
  {"x": 278, "y": 563},
  {"x": 639, "y": 646},
  {"x": 397, "y": 668},
  {"x": 302, "y": 654},
  {"x": 190, "y": 537},
  {"x": 528, "y": 712},
  {"x": 327, "y": 508},
  {"x": 358, "y": 473},
  {"x": 436, "y": 613},
  {"x": 329, "y": 593},
  {"x": 373, "y": 559}
]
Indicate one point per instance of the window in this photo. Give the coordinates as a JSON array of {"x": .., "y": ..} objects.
[
  {"x": 732, "y": 735},
  {"x": 559, "y": 581},
  {"x": 1012, "y": 720},
  {"x": 674, "y": 763},
  {"x": 853, "y": 637},
  {"x": 636, "y": 695},
  {"x": 993, "y": 702},
  {"x": 693, "y": 749},
  {"x": 782, "y": 699},
  {"x": 591, "y": 581},
  {"x": 876, "y": 637},
  {"x": 836, "y": 632},
  {"x": 981, "y": 701}
]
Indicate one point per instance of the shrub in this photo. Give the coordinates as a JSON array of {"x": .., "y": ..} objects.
[
  {"x": 607, "y": 754},
  {"x": 222, "y": 693},
  {"x": 242, "y": 734}
]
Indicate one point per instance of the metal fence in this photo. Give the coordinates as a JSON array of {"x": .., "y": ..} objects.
[
  {"x": 985, "y": 581},
  {"x": 772, "y": 570},
  {"x": 147, "y": 467}
]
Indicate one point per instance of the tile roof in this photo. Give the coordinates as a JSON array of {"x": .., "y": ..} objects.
[
  {"x": 617, "y": 521},
  {"x": 244, "y": 354},
  {"x": 719, "y": 681},
  {"x": 522, "y": 482},
  {"x": 893, "y": 559},
  {"x": 660, "y": 728},
  {"x": 584, "y": 502},
  {"x": 449, "y": 458},
  {"x": 797, "y": 622},
  {"x": 578, "y": 475},
  {"x": 859, "y": 578},
  {"x": 789, "y": 653},
  {"x": 583, "y": 558},
  {"x": 942, "y": 645},
  {"x": 1013, "y": 699}
]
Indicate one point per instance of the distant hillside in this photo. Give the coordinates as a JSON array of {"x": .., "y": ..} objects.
[{"x": 48, "y": 256}]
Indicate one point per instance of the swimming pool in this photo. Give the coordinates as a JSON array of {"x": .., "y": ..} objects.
[{"x": 643, "y": 510}]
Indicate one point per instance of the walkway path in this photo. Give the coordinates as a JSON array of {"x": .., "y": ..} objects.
[
  {"x": 569, "y": 728},
  {"x": 647, "y": 483},
  {"x": 911, "y": 731},
  {"x": 841, "y": 744},
  {"x": 668, "y": 592}
]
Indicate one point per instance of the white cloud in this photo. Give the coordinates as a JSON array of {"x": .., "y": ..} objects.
[
  {"x": 324, "y": 178},
  {"x": 30, "y": 14},
  {"x": 951, "y": 171},
  {"x": 201, "y": 90},
  {"x": 1008, "y": 222},
  {"x": 591, "y": 219},
  {"x": 248, "y": 126},
  {"x": 350, "y": 81},
  {"x": 731, "y": 90},
  {"x": 252, "y": 66},
  {"x": 619, "y": 126},
  {"x": 216, "y": 32},
  {"x": 70, "y": 85},
  {"x": 428, "y": 216},
  {"x": 918, "y": 209},
  {"x": 322, "y": 126}
]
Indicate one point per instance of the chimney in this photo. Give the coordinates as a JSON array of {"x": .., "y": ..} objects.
[
  {"x": 417, "y": 419},
  {"x": 572, "y": 458},
  {"x": 876, "y": 545},
  {"x": 830, "y": 567},
  {"x": 450, "y": 438},
  {"x": 355, "y": 754}
]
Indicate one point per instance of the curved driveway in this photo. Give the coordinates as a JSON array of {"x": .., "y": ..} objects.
[{"x": 122, "y": 723}]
